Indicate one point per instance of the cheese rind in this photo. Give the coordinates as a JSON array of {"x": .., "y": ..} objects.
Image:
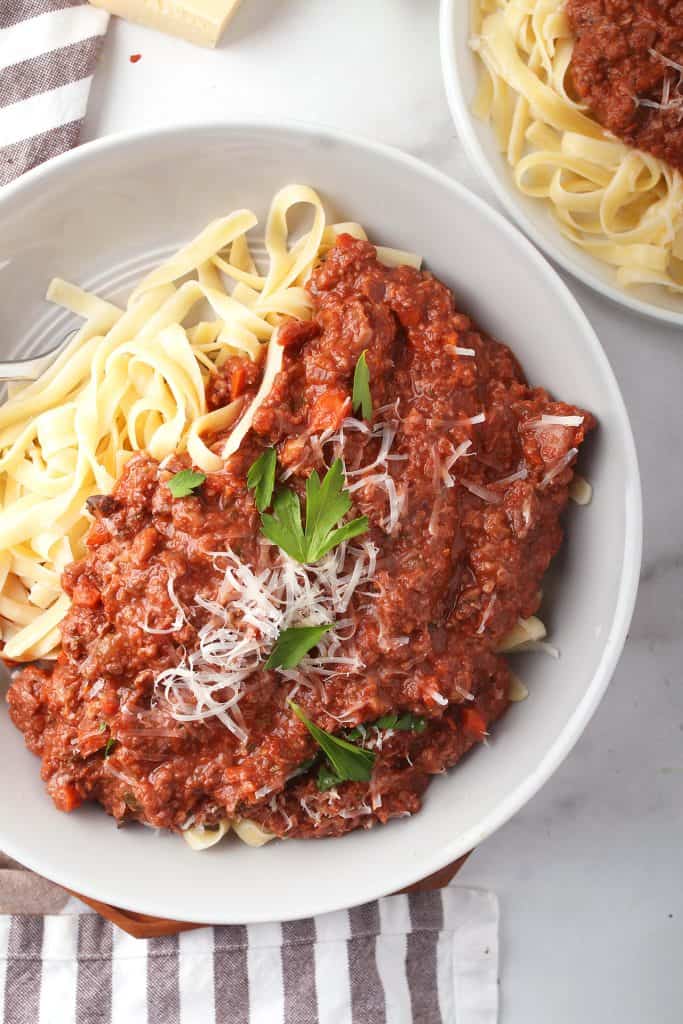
[{"x": 199, "y": 21}]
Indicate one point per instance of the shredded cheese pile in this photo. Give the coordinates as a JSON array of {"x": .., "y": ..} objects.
[{"x": 251, "y": 609}]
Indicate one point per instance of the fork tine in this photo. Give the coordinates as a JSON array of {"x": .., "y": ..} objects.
[
  {"x": 31, "y": 369},
  {"x": 25, "y": 369}
]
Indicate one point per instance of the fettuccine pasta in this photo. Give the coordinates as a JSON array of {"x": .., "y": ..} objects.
[
  {"x": 130, "y": 379},
  {"x": 620, "y": 205}
]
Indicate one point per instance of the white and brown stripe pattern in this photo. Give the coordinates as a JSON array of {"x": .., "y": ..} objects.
[
  {"x": 429, "y": 958},
  {"x": 48, "y": 53}
]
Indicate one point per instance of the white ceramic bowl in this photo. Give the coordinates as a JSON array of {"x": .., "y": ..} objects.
[
  {"x": 103, "y": 212},
  {"x": 461, "y": 75}
]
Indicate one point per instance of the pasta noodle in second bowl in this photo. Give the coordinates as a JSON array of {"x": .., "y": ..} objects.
[
  {"x": 623, "y": 206},
  {"x": 619, "y": 209}
]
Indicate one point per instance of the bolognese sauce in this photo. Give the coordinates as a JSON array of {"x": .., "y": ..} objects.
[
  {"x": 462, "y": 471},
  {"x": 627, "y": 65}
]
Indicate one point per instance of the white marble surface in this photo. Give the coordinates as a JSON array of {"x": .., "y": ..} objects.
[{"x": 589, "y": 873}]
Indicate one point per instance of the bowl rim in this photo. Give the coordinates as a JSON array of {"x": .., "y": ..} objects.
[
  {"x": 463, "y": 120},
  {"x": 615, "y": 638}
]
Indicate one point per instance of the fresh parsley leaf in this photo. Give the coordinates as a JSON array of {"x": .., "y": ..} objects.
[
  {"x": 362, "y": 399},
  {"x": 348, "y": 761},
  {"x": 359, "y": 732},
  {"x": 292, "y": 644},
  {"x": 261, "y": 478},
  {"x": 185, "y": 482},
  {"x": 401, "y": 723},
  {"x": 410, "y": 723},
  {"x": 102, "y": 726},
  {"x": 326, "y": 503},
  {"x": 327, "y": 778},
  {"x": 111, "y": 743},
  {"x": 283, "y": 527}
]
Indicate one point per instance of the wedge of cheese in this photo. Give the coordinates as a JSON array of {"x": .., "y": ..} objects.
[{"x": 198, "y": 21}]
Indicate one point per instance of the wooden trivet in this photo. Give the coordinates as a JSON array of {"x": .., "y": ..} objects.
[{"x": 140, "y": 926}]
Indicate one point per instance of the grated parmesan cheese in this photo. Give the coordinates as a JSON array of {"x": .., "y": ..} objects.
[
  {"x": 386, "y": 482},
  {"x": 251, "y": 610},
  {"x": 560, "y": 421},
  {"x": 557, "y": 468},
  {"x": 521, "y": 474},
  {"x": 451, "y": 461},
  {"x": 479, "y": 418},
  {"x": 313, "y": 815},
  {"x": 487, "y": 613},
  {"x": 485, "y": 493},
  {"x": 667, "y": 102}
]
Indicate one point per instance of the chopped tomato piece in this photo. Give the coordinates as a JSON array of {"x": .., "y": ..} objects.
[
  {"x": 474, "y": 723},
  {"x": 329, "y": 410}
]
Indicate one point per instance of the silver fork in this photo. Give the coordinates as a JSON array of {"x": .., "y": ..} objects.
[{"x": 30, "y": 369}]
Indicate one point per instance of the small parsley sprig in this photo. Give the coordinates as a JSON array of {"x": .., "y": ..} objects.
[
  {"x": 185, "y": 483},
  {"x": 328, "y": 776},
  {"x": 362, "y": 398},
  {"x": 293, "y": 643},
  {"x": 326, "y": 503},
  {"x": 261, "y": 478},
  {"x": 407, "y": 722},
  {"x": 347, "y": 762}
]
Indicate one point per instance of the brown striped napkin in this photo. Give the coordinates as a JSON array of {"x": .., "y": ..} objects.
[
  {"x": 48, "y": 52},
  {"x": 427, "y": 958}
]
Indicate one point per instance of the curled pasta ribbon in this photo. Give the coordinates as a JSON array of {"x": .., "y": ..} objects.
[
  {"x": 215, "y": 236},
  {"x": 622, "y": 206},
  {"x": 200, "y": 838}
]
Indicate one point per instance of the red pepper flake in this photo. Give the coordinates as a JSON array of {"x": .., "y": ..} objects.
[{"x": 135, "y": 57}]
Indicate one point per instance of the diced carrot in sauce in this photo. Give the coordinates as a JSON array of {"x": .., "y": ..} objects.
[
  {"x": 238, "y": 379},
  {"x": 67, "y": 798},
  {"x": 329, "y": 410},
  {"x": 474, "y": 723}
]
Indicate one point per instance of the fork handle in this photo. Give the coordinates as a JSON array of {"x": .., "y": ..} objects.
[{"x": 24, "y": 369}]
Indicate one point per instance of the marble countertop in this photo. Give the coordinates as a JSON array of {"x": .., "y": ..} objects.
[{"x": 589, "y": 872}]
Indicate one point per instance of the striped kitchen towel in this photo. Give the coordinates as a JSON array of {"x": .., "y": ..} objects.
[
  {"x": 48, "y": 52},
  {"x": 427, "y": 958}
]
